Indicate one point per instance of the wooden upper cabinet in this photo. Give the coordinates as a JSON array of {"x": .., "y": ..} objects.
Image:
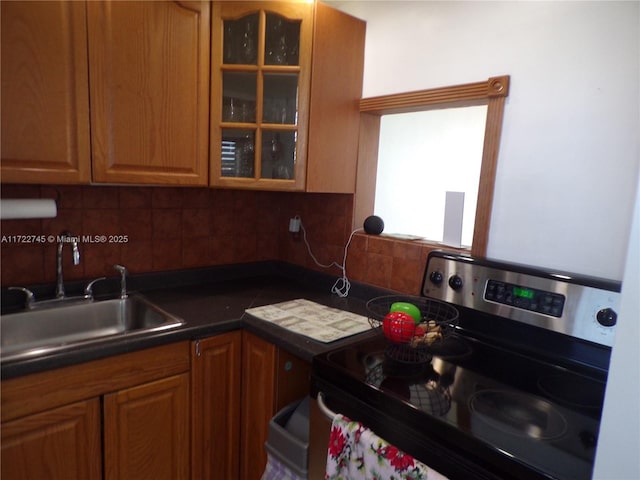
[
  {"x": 45, "y": 97},
  {"x": 149, "y": 83},
  {"x": 336, "y": 89},
  {"x": 261, "y": 59},
  {"x": 285, "y": 85}
]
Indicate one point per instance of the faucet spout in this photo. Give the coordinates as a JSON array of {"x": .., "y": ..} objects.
[
  {"x": 123, "y": 280},
  {"x": 65, "y": 237}
]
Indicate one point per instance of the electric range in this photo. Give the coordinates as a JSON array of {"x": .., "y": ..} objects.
[{"x": 515, "y": 391}]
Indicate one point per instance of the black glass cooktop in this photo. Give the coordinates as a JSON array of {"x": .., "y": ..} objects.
[{"x": 481, "y": 396}]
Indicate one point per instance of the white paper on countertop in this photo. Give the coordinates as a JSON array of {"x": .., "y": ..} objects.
[{"x": 313, "y": 320}]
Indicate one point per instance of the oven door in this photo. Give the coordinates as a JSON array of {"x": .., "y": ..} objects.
[{"x": 453, "y": 459}]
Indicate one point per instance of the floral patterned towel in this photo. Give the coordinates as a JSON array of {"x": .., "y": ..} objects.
[{"x": 356, "y": 453}]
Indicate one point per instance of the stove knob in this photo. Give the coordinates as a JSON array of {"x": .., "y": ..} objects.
[
  {"x": 455, "y": 282},
  {"x": 607, "y": 317},
  {"x": 436, "y": 277}
]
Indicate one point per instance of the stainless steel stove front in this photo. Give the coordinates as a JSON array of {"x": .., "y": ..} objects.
[{"x": 581, "y": 307}]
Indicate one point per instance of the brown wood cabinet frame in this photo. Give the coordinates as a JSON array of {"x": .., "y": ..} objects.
[{"x": 491, "y": 92}]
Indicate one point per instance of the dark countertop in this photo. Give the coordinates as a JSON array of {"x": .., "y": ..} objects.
[{"x": 213, "y": 301}]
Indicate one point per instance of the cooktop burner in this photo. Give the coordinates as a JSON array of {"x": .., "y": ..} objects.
[
  {"x": 573, "y": 390},
  {"x": 518, "y": 414},
  {"x": 417, "y": 384}
]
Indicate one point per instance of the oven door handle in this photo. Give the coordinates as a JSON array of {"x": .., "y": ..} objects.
[{"x": 330, "y": 414}]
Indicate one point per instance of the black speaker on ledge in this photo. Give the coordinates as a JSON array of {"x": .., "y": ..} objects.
[{"x": 373, "y": 225}]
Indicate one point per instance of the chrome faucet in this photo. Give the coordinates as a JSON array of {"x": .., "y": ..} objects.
[
  {"x": 88, "y": 290},
  {"x": 65, "y": 237},
  {"x": 123, "y": 280}
]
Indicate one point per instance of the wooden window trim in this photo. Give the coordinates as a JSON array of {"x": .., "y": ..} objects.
[{"x": 491, "y": 92}]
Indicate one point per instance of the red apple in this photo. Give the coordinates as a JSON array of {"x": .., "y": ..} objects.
[{"x": 398, "y": 327}]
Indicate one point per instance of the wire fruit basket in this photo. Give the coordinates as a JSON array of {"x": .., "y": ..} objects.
[{"x": 414, "y": 344}]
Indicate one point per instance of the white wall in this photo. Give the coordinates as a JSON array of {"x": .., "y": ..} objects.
[
  {"x": 570, "y": 150},
  {"x": 619, "y": 438}
]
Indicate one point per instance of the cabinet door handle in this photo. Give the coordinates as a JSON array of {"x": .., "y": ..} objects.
[{"x": 197, "y": 348}]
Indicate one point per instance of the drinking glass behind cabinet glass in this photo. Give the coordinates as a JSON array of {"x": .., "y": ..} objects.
[
  {"x": 248, "y": 44},
  {"x": 277, "y": 53},
  {"x": 280, "y": 170}
]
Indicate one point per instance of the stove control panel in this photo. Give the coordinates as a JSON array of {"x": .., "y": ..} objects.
[
  {"x": 519, "y": 296},
  {"x": 582, "y": 307}
]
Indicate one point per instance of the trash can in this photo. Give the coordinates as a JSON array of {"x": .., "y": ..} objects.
[{"x": 288, "y": 443}]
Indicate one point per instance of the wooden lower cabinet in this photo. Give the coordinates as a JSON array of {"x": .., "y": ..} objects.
[
  {"x": 197, "y": 410},
  {"x": 52, "y": 422},
  {"x": 146, "y": 431},
  {"x": 62, "y": 443},
  {"x": 271, "y": 379},
  {"x": 258, "y": 403},
  {"x": 215, "y": 400}
]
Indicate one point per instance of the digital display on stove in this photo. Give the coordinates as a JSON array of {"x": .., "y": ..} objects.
[
  {"x": 523, "y": 292},
  {"x": 540, "y": 301}
]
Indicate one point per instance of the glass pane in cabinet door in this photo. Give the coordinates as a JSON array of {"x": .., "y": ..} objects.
[
  {"x": 238, "y": 153},
  {"x": 278, "y": 154},
  {"x": 239, "y": 97},
  {"x": 280, "y": 102},
  {"x": 240, "y": 43},
  {"x": 282, "y": 41}
]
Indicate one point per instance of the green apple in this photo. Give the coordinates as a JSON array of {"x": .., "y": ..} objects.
[{"x": 409, "y": 308}]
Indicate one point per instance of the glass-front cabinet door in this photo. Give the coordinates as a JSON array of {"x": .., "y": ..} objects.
[{"x": 261, "y": 57}]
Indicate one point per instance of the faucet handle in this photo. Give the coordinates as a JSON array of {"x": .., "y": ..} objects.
[
  {"x": 88, "y": 290},
  {"x": 76, "y": 253},
  {"x": 123, "y": 270},
  {"x": 123, "y": 279},
  {"x": 30, "y": 297}
]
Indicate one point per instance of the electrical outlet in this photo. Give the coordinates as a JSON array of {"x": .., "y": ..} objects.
[{"x": 294, "y": 225}]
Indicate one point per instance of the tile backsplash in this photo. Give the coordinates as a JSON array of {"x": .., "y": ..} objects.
[{"x": 166, "y": 228}]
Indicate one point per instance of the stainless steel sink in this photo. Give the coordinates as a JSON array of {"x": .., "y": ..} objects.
[{"x": 46, "y": 330}]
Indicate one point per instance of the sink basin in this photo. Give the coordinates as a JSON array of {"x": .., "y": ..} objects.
[{"x": 42, "y": 331}]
